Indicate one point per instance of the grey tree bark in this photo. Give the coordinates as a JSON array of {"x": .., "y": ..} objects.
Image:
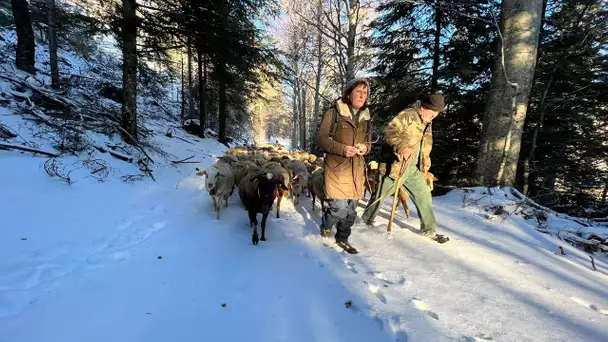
[
  {"x": 129, "y": 69},
  {"x": 436, "y": 48},
  {"x": 190, "y": 97},
  {"x": 294, "y": 126},
  {"x": 183, "y": 93},
  {"x": 52, "y": 32},
  {"x": 26, "y": 44},
  {"x": 317, "y": 101},
  {"x": 222, "y": 115},
  {"x": 202, "y": 91},
  {"x": 506, "y": 108},
  {"x": 353, "y": 23},
  {"x": 303, "y": 96}
]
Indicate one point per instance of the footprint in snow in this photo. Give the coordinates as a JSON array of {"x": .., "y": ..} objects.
[
  {"x": 128, "y": 221},
  {"x": 422, "y": 306},
  {"x": 482, "y": 337},
  {"x": 349, "y": 265},
  {"x": 396, "y": 324},
  {"x": 383, "y": 277},
  {"x": 602, "y": 311},
  {"x": 590, "y": 306},
  {"x": 375, "y": 289}
]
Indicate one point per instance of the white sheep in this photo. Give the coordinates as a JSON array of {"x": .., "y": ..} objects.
[
  {"x": 298, "y": 183},
  {"x": 219, "y": 183},
  {"x": 299, "y": 170}
]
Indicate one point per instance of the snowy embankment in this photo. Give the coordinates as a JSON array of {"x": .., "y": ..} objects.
[{"x": 147, "y": 261}]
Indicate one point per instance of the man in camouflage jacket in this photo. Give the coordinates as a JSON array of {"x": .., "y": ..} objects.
[{"x": 411, "y": 138}]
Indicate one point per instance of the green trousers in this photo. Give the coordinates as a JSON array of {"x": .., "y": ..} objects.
[{"x": 419, "y": 192}]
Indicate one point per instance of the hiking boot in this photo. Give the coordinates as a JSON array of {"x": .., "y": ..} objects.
[
  {"x": 326, "y": 232},
  {"x": 436, "y": 237},
  {"x": 345, "y": 245},
  {"x": 441, "y": 238}
]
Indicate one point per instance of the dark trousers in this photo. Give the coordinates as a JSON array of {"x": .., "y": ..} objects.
[{"x": 342, "y": 213}]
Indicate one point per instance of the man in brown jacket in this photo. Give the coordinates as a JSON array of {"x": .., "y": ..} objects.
[
  {"x": 344, "y": 163},
  {"x": 411, "y": 138}
]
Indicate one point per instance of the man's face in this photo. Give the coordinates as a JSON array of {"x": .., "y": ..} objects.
[
  {"x": 358, "y": 96},
  {"x": 427, "y": 115}
]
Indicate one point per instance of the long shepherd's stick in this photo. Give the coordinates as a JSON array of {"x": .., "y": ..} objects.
[{"x": 395, "y": 198}]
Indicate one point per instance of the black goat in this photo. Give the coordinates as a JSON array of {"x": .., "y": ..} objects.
[{"x": 257, "y": 193}]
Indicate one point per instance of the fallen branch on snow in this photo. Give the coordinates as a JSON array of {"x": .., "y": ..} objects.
[
  {"x": 27, "y": 149},
  {"x": 60, "y": 101},
  {"x": 185, "y": 161},
  {"x": 182, "y": 139},
  {"x": 593, "y": 263},
  {"x": 134, "y": 142},
  {"x": 54, "y": 168},
  {"x": 121, "y": 157},
  {"x": 6, "y": 133}
]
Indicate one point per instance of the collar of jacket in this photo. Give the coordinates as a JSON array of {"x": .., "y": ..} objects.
[
  {"x": 416, "y": 107},
  {"x": 345, "y": 111}
]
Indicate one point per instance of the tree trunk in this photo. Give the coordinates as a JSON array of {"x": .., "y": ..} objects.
[
  {"x": 526, "y": 164},
  {"x": 190, "y": 97},
  {"x": 202, "y": 77},
  {"x": 507, "y": 104},
  {"x": 436, "y": 49},
  {"x": 317, "y": 105},
  {"x": 129, "y": 68},
  {"x": 539, "y": 126},
  {"x": 53, "y": 44},
  {"x": 26, "y": 44},
  {"x": 294, "y": 126},
  {"x": 303, "y": 119},
  {"x": 605, "y": 193},
  {"x": 183, "y": 100},
  {"x": 222, "y": 110},
  {"x": 351, "y": 41}
]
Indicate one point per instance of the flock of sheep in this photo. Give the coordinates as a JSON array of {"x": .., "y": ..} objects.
[{"x": 263, "y": 174}]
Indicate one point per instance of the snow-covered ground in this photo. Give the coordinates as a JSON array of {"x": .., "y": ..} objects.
[{"x": 148, "y": 261}]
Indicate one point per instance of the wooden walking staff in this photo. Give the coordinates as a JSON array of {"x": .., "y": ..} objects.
[{"x": 398, "y": 183}]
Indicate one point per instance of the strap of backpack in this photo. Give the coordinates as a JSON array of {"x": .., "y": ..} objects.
[{"x": 334, "y": 123}]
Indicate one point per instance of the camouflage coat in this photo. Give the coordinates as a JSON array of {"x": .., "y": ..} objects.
[
  {"x": 344, "y": 177},
  {"x": 408, "y": 131}
]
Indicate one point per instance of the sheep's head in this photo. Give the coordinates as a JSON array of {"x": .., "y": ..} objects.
[
  {"x": 298, "y": 182},
  {"x": 266, "y": 185},
  {"x": 213, "y": 176}
]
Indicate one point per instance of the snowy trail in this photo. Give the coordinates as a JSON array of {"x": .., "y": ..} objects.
[
  {"x": 95, "y": 274},
  {"x": 276, "y": 291}
]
